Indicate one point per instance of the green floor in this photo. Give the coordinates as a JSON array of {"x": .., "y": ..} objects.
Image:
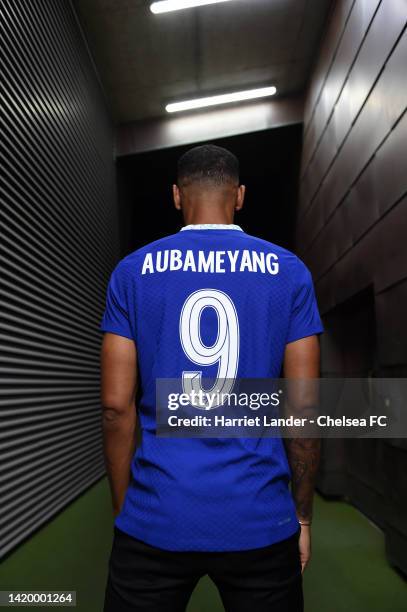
[{"x": 349, "y": 571}]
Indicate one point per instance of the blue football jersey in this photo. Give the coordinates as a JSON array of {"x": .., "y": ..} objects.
[{"x": 181, "y": 299}]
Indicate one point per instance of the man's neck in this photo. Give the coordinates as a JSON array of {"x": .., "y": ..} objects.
[{"x": 203, "y": 218}]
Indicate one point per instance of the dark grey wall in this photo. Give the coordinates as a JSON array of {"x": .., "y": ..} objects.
[
  {"x": 59, "y": 244},
  {"x": 353, "y": 168},
  {"x": 352, "y": 228}
]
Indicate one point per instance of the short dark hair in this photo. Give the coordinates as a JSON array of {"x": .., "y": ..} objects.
[{"x": 208, "y": 163}]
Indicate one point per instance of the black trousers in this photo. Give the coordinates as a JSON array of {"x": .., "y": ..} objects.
[{"x": 142, "y": 577}]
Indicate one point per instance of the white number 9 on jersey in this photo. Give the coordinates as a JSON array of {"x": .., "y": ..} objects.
[{"x": 225, "y": 350}]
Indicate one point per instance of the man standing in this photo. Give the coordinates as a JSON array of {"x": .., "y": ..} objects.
[{"x": 185, "y": 508}]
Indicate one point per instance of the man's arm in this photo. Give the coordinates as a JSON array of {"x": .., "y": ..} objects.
[
  {"x": 119, "y": 384},
  {"x": 301, "y": 362}
]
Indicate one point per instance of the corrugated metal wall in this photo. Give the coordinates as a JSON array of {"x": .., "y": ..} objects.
[
  {"x": 59, "y": 244},
  {"x": 352, "y": 229}
]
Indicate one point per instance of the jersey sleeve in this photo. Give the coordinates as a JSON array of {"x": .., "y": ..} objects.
[
  {"x": 116, "y": 316},
  {"x": 304, "y": 320}
]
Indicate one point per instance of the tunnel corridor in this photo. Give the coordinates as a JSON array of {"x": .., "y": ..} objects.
[{"x": 88, "y": 156}]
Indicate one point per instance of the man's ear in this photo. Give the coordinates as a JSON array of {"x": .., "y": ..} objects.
[
  {"x": 241, "y": 190},
  {"x": 176, "y": 197}
]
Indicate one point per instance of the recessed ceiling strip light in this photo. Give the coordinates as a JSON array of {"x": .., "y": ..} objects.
[
  {"x": 165, "y": 6},
  {"x": 238, "y": 96}
]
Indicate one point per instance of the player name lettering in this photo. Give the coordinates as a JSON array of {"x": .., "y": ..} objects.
[{"x": 217, "y": 262}]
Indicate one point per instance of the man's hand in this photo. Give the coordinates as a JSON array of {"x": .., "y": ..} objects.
[
  {"x": 305, "y": 546},
  {"x": 119, "y": 382}
]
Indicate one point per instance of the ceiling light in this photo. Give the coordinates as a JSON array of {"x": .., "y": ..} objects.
[
  {"x": 238, "y": 96},
  {"x": 164, "y": 6}
]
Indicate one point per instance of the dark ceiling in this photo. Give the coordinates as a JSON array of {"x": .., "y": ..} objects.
[{"x": 146, "y": 60}]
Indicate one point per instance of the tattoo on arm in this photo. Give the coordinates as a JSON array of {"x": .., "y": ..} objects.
[{"x": 303, "y": 456}]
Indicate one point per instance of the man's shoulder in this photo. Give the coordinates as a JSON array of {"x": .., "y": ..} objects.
[
  {"x": 263, "y": 244},
  {"x": 291, "y": 265}
]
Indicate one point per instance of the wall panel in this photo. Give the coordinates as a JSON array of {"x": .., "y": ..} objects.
[
  {"x": 59, "y": 244},
  {"x": 348, "y": 136},
  {"x": 353, "y": 34},
  {"x": 352, "y": 227},
  {"x": 392, "y": 328},
  {"x": 332, "y": 38}
]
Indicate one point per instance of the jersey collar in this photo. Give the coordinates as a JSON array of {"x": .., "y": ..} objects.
[{"x": 216, "y": 226}]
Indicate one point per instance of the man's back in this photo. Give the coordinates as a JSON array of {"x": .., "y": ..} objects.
[{"x": 218, "y": 301}]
